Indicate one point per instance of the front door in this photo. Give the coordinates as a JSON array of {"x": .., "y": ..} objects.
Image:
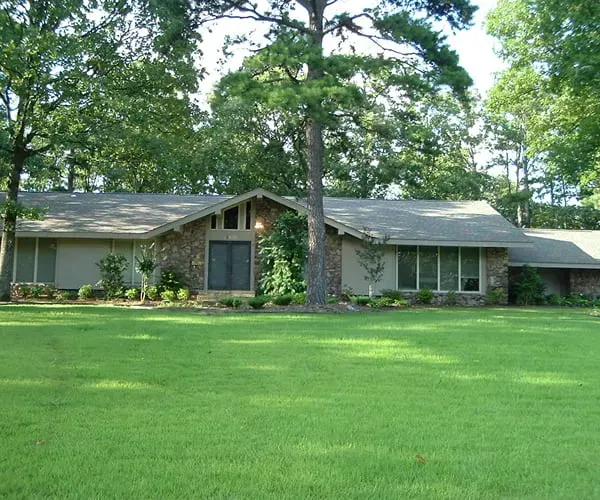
[{"x": 229, "y": 265}]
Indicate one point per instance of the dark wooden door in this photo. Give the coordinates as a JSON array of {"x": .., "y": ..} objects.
[{"x": 229, "y": 265}]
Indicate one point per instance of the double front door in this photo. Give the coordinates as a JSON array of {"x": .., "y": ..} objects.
[{"x": 229, "y": 265}]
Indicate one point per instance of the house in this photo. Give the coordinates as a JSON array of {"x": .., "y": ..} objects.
[
  {"x": 568, "y": 261},
  {"x": 212, "y": 241}
]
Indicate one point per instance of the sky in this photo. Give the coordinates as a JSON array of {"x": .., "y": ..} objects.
[{"x": 475, "y": 49}]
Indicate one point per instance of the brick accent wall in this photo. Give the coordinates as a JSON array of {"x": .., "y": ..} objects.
[
  {"x": 585, "y": 281},
  {"x": 497, "y": 269},
  {"x": 185, "y": 252}
]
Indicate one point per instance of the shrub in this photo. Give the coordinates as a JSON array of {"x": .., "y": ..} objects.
[
  {"x": 132, "y": 293},
  {"x": 183, "y": 294},
  {"x": 283, "y": 300},
  {"x": 402, "y": 302},
  {"x": 299, "y": 298},
  {"x": 379, "y": 302},
  {"x": 233, "y": 302},
  {"x": 65, "y": 295},
  {"x": 24, "y": 291},
  {"x": 153, "y": 293},
  {"x": 50, "y": 291},
  {"x": 425, "y": 296},
  {"x": 554, "y": 300},
  {"x": 529, "y": 287},
  {"x": 392, "y": 294},
  {"x": 332, "y": 300},
  {"x": 578, "y": 301},
  {"x": 451, "y": 298},
  {"x": 85, "y": 292},
  {"x": 258, "y": 302},
  {"x": 37, "y": 291},
  {"x": 496, "y": 296},
  {"x": 168, "y": 296},
  {"x": 112, "y": 270},
  {"x": 361, "y": 300},
  {"x": 170, "y": 280}
]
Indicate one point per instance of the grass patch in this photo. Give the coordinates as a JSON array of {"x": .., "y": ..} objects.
[{"x": 117, "y": 403}]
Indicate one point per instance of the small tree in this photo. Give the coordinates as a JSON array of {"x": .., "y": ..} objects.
[
  {"x": 112, "y": 268},
  {"x": 283, "y": 252},
  {"x": 371, "y": 258},
  {"x": 145, "y": 265}
]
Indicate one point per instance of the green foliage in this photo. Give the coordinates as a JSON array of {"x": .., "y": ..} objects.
[
  {"x": 402, "y": 302},
  {"x": 379, "y": 302},
  {"x": 112, "y": 270},
  {"x": 258, "y": 302},
  {"x": 393, "y": 294},
  {"x": 183, "y": 294},
  {"x": 132, "y": 293},
  {"x": 145, "y": 265},
  {"x": 451, "y": 298},
  {"x": 496, "y": 296},
  {"x": 153, "y": 292},
  {"x": 299, "y": 298},
  {"x": 283, "y": 300},
  {"x": 528, "y": 288},
  {"x": 233, "y": 302},
  {"x": 283, "y": 254},
  {"x": 24, "y": 291},
  {"x": 425, "y": 296},
  {"x": 170, "y": 280},
  {"x": 168, "y": 295},
  {"x": 554, "y": 300},
  {"x": 333, "y": 300},
  {"x": 85, "y": 292},
  {"x": 65, "y": 295},
  {"x": 370, "y": 257},
  {"x": 37, "y": 291},
  {"x": 361, "y": 300}
]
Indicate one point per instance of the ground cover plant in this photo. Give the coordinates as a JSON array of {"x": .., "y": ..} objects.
[{"x": 104, "y": 402}]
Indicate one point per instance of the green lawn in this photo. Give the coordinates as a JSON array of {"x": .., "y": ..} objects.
[{"x": 101, "y": 402}]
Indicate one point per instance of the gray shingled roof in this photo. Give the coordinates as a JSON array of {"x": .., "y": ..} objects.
[
  {"x": 122, "y": 213},
  {"x": 439, "y": 221},
  {"x": 406, "y": 221},
  {"x": 559, "y": 248}
]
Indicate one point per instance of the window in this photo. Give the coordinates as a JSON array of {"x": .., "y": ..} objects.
[
  {"x": 248, "y": 214},
  {"x": 230, "y": 218},
  {"x": 407, "y": 268},
  {"x": 469, "y": 263},
  {"x": 448, "y": 268},
  {"x": 438, "y": 268},
  {"x": 213, "y": 222},
  {"x": 32, "y": 251},
  {"x": 428, "y": 268}
]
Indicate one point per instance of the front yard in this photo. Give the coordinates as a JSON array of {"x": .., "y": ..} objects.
[{"x": 103, "y": 402}]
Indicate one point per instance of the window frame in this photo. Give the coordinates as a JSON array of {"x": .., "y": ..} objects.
[{"x": 437, "y": 289}]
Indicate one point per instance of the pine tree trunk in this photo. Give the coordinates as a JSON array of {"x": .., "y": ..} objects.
[
  {"x": 9, "y": 217},
  {"x": 317, "y": 276}
]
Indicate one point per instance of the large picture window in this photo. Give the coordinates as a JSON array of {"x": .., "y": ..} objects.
[
  {"x": 439, "y": 268},
  {"x": 35, "y": 260}
]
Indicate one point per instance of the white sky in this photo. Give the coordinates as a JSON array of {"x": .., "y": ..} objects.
[{"x": 474, "y": 46}]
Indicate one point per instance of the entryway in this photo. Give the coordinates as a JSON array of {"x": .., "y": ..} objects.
[{"x": 229, "y": 265}]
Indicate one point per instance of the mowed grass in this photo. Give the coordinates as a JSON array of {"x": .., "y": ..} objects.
[{"x": 102, "y": 402}]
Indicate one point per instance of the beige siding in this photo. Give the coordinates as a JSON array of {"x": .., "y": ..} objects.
[
  {"x": 353, "y": 274},
  {"x": 76, "y": 262}
]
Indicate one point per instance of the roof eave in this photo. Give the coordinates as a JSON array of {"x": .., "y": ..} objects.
[{"x": 554, "y": 265}]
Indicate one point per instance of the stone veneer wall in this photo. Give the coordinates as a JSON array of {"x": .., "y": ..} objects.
[
  {"x": 497, "y": 270},
  {"x": 585, "y": 282},
  {"x": 185, "y": 252},
  {"x": 267, "y": 211},
  {"x": 333, "y": 261}
]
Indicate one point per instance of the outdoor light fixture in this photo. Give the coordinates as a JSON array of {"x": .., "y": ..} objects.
[{"x": 258, "y": 225}]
